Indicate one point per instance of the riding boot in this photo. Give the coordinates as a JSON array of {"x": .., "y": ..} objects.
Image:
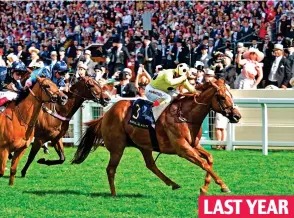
[{"x": 3, "y": 101}]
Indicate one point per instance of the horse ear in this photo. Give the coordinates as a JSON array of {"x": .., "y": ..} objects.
[{"x": 214, "y": 85}]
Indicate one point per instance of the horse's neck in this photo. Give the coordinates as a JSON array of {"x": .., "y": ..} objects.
[
  {"x": 202, "y": 108},
  {"x": 73, "y": 104},
  {"x": 28, "y": 110}
]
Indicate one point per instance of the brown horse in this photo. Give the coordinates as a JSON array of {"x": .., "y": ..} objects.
[
  {"x": 49, "y": 128},
  {"x": 18, "y": 122},
  {"x": 174, "y": 137}
]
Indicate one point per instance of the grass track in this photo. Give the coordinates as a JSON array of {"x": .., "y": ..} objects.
[{"x": 82, "y": 190}]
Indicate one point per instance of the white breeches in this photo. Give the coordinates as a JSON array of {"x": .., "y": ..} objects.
[
  {"x": 8, "y": 94},
  {"x": 153, "y": 94}
]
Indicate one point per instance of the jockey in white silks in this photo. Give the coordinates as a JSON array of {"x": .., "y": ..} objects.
[{"x": 162, "y": 88}]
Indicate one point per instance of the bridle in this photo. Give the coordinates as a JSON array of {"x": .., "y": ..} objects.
[
  {"x": 221, "y": 97},
  {"x": 53, "y": 96},
  {"x": 97, "y": 97},
  {"x": 53, "y": 99}
]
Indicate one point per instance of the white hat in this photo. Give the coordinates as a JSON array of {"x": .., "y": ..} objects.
[
  {"x": 229, "y": 54},
  {"x": 259, "y": 54},
  {"x": 199, "y": 63},
  {"x": 88, "y": 52},
  {"x": 278, "y": 47},
  {"x": 82, "y": 65},
  {"x": 53, "y": 53},
  {"x": 33, "y": 49},
  {"x": 240, "y": 44},
  {"x": 210, "y": 72},
  {"x": 128, "y": 70}
]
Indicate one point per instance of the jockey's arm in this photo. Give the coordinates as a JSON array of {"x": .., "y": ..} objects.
[
  {"x": 39, "y": 72},
  {"x": 168, "y": 77}
]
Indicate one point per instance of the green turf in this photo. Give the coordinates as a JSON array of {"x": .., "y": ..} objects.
[{"x": 82, "y": 190}]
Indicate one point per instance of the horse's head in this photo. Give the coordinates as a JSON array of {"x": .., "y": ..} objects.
[
  {"x": 49, "y": 92},
  {"x": 223, "y": 103},
  {"x": 95, "y": 91}
]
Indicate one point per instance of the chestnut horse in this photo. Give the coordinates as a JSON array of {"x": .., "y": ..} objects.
[
  {"x": 174, "y": 136},
  {"x": 18, "y": 122},
  {"x": 49, "y": 128}
]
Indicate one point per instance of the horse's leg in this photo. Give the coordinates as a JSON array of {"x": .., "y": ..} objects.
[
  {"x": 33, "y": 152},
  {"x": 186, "y": 151},
  {"x": 150, "y": 163},
  {"x": 3, "y": 160},
  {"x": 16, "y": 157},
  {"x": 58, "y": 146},
  {"x": 208, "y": 157},
  {"x": 111, "y": 169}
]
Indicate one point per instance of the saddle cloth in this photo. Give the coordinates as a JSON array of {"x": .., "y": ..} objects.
[{"x": 142, "y": 116}]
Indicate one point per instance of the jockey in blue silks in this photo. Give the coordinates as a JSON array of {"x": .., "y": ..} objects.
[
  {"x": 57, "y": 75},
  {"x": 11, "y": 76}
]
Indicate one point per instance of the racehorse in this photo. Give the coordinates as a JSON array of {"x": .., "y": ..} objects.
[
  {"x": 50, "y": 128},
  {"x": 174, "y": 136},
  {"x": 18, "y": 122}
]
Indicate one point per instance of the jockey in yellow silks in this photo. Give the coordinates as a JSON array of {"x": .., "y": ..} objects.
[{"x": 163, "y": 87}]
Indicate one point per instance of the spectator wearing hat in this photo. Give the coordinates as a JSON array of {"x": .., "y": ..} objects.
[
  {"x": 209, "y": 75},
  {"x": 53, "y": 46},
  {"x": 182, "y": 52},
  {"x": 125, "y": 88},
  {"x": 150, "y": 54},
  {"x": 99, "y": 70},
  {"x": 251, "y": 68},
  {"x": 81, "y": 69},
  {"x": 62, "y": 56},
  {"x": 139, "y": 55},
  {"x": 34, "y": 56},
  {"x": 199, "y": 72},
  {"x": 79, "y": 58},
  {"x": 2, "y": 62},
  {"x": 205, "y": 58},
  {"x": 226, "y": 70},
  {"x": 280, "y": 73},
  {"x": 54, "y": 60},
  {"x": 254, "y": 43},
  {"x": 118, "y": 57},
  {"x": 90, "y": 64}
]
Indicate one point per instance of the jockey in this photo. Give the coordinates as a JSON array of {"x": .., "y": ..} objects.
[
  {"x": 57, "y": 75},
  {"x": 17, "y": 70},
  {"x": 162, "y": 88}
]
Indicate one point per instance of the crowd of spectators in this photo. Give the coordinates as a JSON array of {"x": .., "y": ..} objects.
[{"x": 181, "y": 32}]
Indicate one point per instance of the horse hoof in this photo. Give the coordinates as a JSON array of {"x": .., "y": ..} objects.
[
  {"x": 41, "y": 161},
  {"x": 175, "y": 187},
  {"x": 203, "y": 191},
  {"x": 1, "y": 175},
  {"x": 226, "y": 189}
]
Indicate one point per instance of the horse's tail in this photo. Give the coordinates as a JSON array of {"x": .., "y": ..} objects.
[{"x": 90, "y": 141}]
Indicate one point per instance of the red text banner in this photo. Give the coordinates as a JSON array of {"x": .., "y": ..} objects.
[{"x": 246, "y": 206}]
